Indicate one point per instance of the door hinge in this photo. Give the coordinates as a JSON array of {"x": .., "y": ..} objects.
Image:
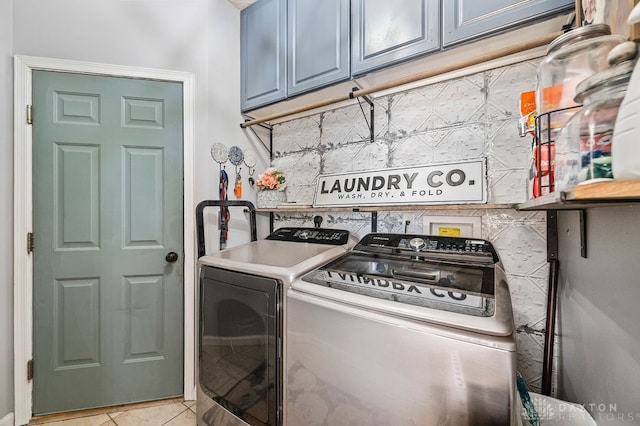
[
  {"x": 29, "y": 242},
  {"x": 30, "y": 370},
  {"x": 29, "y": 114}
]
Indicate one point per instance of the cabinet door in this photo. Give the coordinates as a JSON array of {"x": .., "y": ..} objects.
[
  {"x": 318, "y": 43},
  {"x": 384, "y": 32},
  {"x": 463, "y": 20},
  {"x": 263, "y": 53}
]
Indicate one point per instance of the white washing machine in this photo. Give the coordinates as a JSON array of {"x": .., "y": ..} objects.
[
  {"x": 403, "y": 330},
  {"x": 241, "y": 323}
]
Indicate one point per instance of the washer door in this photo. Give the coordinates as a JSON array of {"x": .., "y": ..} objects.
[{"x": 239, "y": 340}]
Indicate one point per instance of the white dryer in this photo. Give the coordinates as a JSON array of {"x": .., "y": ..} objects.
[
  {"x": 403, "y": 330},
  {"x": 241, "y": 323}
]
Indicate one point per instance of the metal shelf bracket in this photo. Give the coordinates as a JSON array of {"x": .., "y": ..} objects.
[
  {"x": 269, "y": 148},
  {"x": 372, "y": 109}
]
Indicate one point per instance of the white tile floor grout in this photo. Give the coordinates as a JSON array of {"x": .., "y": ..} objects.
[{"x": 169, "y": 412}]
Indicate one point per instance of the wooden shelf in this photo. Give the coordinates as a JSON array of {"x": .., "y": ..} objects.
[
  {"x": 311, "y": 209},
  {"x": 596, "y": 194}
]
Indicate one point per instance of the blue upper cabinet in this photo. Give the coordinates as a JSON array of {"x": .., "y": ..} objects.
[
  {"x": 384, "y": 32},
  {"x": 464, "y": 20},
  {"x": 263, "y": 53},
  {"x": 318, "y": 43},
  {"x": 289, "y": 47}
]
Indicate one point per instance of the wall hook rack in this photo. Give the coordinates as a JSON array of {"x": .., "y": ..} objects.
[{"x": 372, "y": 109}]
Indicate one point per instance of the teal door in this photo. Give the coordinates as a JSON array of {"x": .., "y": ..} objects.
[{"x": 108, "y": 203}]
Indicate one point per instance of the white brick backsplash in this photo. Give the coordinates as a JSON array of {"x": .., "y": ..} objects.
[
  {"x": 300, "y": 168},
  {"x": 413, "y": 150},
  {"x": 461, "y": 143},
  {"x": 505, "y": 86},
  {"x": 529, "y": 299},
  {"x": 298, "y": 134},
  {"x": 343, "y": 126},
  {"x": 522, "y": 250},
  {"x": 412, "y": 112},
  {"x": 351, "y": 124},
  {"x": 530, "y": 349},
  {"x": 507, "y": 150},
  {"x": 301, "y": 194},
  {"x": 472, "y": 117},
  {"x": 461, "y": 101},
  {"x": 358, "y": 224},
  {"x": 356, "y": 157},
  {"x": 508, "y": 162},
  {"x": 507, "y": 186}
]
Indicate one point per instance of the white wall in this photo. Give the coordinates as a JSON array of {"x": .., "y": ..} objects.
[
  {"x": 6, "y": 212},
  {"x": 598, "y": 314},
  {"x": 197, "y": 36},
  {"x": 223, "y": 120}
]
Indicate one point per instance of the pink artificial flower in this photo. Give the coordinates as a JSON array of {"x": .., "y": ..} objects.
[{"x": 271, "y": 179}]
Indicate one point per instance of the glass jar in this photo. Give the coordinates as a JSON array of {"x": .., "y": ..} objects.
[
  {"x": 570, "y": 59},
  {"x": 583, "y": 146}
]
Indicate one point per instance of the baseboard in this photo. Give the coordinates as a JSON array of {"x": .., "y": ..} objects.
[{"x": 7, "y": 420}]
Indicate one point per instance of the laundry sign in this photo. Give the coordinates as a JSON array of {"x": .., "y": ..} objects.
[{"x": 451, "y": 183}]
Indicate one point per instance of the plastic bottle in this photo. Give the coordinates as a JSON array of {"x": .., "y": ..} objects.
[{"x": 625, "y": 149}]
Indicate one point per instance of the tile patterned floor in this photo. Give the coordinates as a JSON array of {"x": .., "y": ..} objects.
[{"x": 168, "y": 412}]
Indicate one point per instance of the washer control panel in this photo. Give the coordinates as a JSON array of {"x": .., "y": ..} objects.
[
  {"x": 425, "y": 244},
  {"x": 311, "y": 235}
]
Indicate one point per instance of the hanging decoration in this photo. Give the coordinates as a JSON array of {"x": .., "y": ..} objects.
[
  {"x": 220, "y": 155},
  {"x": 225, "y": 215},
  {"x": 250, "y": 161},
  {"x": 236, "y": 157}
]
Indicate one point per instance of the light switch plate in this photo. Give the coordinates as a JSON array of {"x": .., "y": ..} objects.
[{"x": 453, "y": 226}]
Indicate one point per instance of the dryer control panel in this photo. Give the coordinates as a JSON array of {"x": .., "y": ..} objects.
[{"x": 311, "y": 235}]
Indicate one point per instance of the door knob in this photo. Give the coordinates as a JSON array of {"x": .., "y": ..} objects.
[{"x": 171, "y": 257}]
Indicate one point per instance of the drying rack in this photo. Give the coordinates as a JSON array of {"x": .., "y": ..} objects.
[{"x": 202, "y": 205}]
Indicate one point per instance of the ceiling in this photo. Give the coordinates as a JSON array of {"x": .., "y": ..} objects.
[{"x": 241, "y": 4}]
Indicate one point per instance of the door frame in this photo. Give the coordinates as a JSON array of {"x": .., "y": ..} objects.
[{"x": 23, "y": 213}]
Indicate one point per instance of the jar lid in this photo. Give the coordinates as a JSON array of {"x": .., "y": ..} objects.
[
  {"x": 617, "y": 75},
  {"x": 577, "y": 34}
]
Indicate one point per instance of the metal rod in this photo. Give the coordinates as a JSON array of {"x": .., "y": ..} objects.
[
  {"x": 475, "y": 60},
  {"x": 271, "y": 215},
  {"x": 372, "y": 134},
  {"x": 271, "y": 220},
  {"x": 583, "y": 233},
  {"x": 549, "y": 334},
  {"x": 270, "y": 144}
]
